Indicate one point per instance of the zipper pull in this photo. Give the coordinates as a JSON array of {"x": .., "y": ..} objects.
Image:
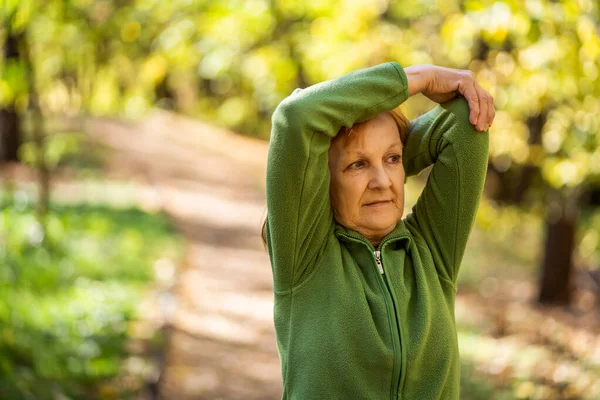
[{"x": 378, "y": 261}]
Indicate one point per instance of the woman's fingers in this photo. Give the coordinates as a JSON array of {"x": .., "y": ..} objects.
[
  {"x": 491, "y": 110},
  {"x": 480, "y": 102},
  {"x": 466, "y": 87},
  {"x": 484, "y": 105},
  {"x": 444, "y": 82},
  {"x": 488, "y": 112}
]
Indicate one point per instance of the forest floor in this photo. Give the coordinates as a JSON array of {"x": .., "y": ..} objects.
[{"x": 221, "y": 341}]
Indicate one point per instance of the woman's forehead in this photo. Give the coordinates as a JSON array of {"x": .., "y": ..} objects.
[{"x": 370, "y": 136}]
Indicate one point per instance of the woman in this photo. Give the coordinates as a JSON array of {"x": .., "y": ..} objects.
[{"x": 364, "y": 300}]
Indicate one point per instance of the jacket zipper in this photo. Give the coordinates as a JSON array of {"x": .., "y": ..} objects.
[
  {"x": 378, "y": 261},
  {"x": 399, "y": 358},
  {"x": 393, "y": 319}
]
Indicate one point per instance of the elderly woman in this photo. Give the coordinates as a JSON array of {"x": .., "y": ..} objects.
[{"x": 364, "y": 299}]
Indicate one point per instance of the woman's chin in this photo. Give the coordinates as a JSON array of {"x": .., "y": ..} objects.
[
  {"x": 381, "y": 221},
  {"x": 381, "y": 226}
]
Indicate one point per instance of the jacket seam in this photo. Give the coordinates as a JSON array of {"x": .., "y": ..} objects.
[
  {"x": 402, "y": 77},
  {"x": 304, "y": 282},
  {"x": 448, "y": 282},
  {"x": 314, "y": 272},
  {"x": 287, "y": 364},
  {"x": 416, "y": 155},
  {"x": 441, "y": 277},
  {"x": 458, "y": 204},
  {"x": 282, "y": 292}
]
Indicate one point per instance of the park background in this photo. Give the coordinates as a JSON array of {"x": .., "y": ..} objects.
[{"x": 133, "y": 142}]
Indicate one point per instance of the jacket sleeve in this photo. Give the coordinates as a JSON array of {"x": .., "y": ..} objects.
[
  {"x": 299, "y": 216},
  {"x": 445, "y": 211}
]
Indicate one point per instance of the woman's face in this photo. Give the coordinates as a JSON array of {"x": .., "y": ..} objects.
[{"x": 367, "y": 178}]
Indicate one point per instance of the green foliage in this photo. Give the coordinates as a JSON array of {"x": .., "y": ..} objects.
[
  {"x": 67, "y": 302},
  {"x": 233, "y": 61}
]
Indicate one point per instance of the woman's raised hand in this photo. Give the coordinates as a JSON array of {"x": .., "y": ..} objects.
[{"x": 441, "y": 84}]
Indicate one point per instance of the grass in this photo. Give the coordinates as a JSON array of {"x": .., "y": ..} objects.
[{"x": 69, "y": 297}]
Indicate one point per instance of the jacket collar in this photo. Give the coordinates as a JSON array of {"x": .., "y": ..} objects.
[{"x": 400, "y": 232}]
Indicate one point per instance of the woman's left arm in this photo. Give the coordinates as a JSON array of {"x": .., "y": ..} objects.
[{"x": 448, "y": 138}]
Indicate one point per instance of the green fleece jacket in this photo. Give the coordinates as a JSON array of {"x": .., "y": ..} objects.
[{"x": 344, "y": 330}]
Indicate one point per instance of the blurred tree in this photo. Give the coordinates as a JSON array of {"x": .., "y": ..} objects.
[{"x": 10, "y": 126}]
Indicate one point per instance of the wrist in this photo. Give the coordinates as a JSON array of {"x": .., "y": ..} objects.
[{"x": 417, "y": 76}]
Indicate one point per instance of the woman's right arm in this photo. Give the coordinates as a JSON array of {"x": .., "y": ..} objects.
[{"x": 300, "y": 218}]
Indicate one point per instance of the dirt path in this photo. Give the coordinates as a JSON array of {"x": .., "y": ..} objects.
[{"x": 211, "y": 182}]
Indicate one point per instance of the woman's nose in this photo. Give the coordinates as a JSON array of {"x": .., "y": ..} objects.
[{"x": 380, "y": 179}]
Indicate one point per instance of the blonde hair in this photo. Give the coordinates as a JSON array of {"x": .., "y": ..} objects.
[{"x": 402, "y": 124}]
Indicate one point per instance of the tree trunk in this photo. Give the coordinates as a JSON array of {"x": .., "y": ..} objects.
[
  {"x": 10, "y": 127},
  {"x": 557, "y": 262},
  {"x": 10, "y": 134}
]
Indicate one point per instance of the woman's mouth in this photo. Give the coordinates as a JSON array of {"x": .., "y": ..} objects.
[{"x": 378, "y": 203}]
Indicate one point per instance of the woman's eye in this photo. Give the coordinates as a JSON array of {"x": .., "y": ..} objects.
[
  {"x": 356, "y": 164},
  {"x": 395, "y": 158}
]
